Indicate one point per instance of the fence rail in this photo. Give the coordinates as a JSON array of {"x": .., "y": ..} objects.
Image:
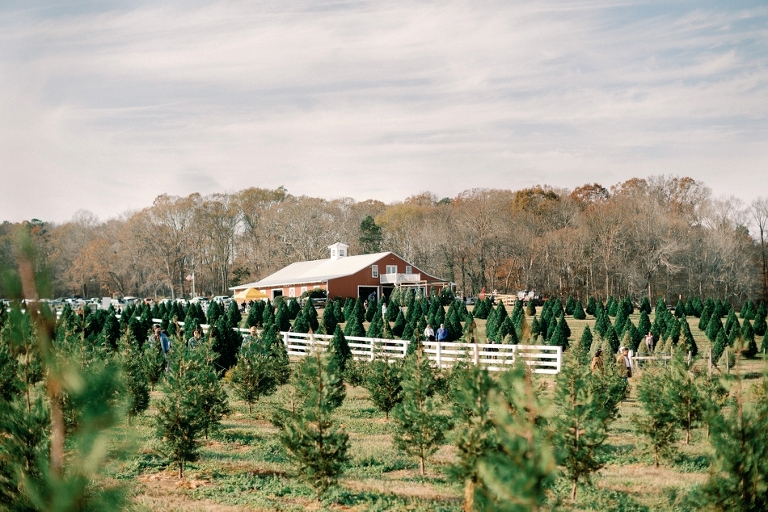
[{"x": 542, "y": 359}]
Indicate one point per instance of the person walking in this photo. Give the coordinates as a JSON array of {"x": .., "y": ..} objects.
[
  {"x": 195, "y": 340},
  {"x": 442, "y": 333},
  {"x": 597, "y": 362},
  {"x": 429, "y": 333},
  {"x": 624, "y": 364},
  {"x": 161, "y": 337}
]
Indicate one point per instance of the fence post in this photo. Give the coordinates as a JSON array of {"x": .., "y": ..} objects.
[
  {"x": 709, "y": 365},
  {"x": 373, "y": 350},
  {"x": 475, "y": 355},
  {"x": 285, "y": 340},
  {"x": 559, "y": 358},
  {"x": 439, "y": 361},
  {"x": 405, "y": 348}
]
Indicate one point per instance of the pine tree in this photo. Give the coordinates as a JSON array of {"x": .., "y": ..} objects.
[
  {"x": 212, "y": 396},
  {"x": 715, "y": 325},
  {"x": 578, "y": 311},
  {"x": 591, "y": 306},
  {"x": 293, "y": 308},
  {"x": 399, "y": 328},
  {"x": 253, "y": 376},
  {"x": 255, "y": 314},
  {"x": 683, "y": 392},
  {"x": 516, "y": 475},
  {"x": 645, "y": 306},
  {"x": 339, "y": 352},
  {"x": 419, "y": 427},
  {"x": 213, "y": 313},
  {"x": 268, "y": 316},
  {"x": 315, "y": 443},
  {"x": 383, "y": 381},
  {"x": 613, "y": 339},
  {"x": 580, "y": 424},
  {"x": 749, "y": 346},
  {"x": 136, "y": 382},
  {"x": 234, "y": 317},
  {"x": 376, "y": 327},
  {"x": 679, "y": 309},
  {"x": 282, "y": 317},
  {"x": 687, "y": 335},
  {"x": 310, "y": 314},
  {"x": 179, "y": 419},
  {"x": 338, "y": 310},
  {"x": 300, "y": 324},
  {"x": 739, "y": 475},
  {"x": 658, "y": 422},
  {"x": 372, "y": 310},
  {"x": 226, "y": 343},
  {"x": 570, "y": 305},
  {"x": 475, "y": 436},
  {"x": 329, "y": 318},
  {"x": 354, "y": 326}
]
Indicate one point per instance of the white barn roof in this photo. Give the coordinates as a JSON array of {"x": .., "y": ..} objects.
[{"x": 316, "y": 271}]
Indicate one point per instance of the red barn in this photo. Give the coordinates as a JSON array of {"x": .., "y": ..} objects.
[{"x": 343, "y": 275}]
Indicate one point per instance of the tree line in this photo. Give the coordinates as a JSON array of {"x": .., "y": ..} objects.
[{"x": 663, "y": 236}]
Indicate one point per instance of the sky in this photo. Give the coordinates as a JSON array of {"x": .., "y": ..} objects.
[{"x": 106, "y": 105}]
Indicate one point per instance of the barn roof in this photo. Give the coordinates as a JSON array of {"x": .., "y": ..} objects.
[{"x": 316, "y": 271}]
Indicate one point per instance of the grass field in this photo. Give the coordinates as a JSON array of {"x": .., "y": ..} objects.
[{"x": 243, "y": 467}]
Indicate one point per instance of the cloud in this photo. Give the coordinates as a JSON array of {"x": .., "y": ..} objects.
[{"x": 112, "y": 106}]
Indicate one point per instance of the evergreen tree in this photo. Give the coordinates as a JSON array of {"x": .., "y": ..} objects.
[
  {"x": 110, "y": 333},
  {"x": 706, "y": 313},
  {"x": 329, "y": 318},
  {"x": 749, "y": 346},
  {"x": 273, "y": 345},
  {"x": 376, "y": 328},
  {"x": 517, "y": 473},
  {"x": 612, "y": 339},
  {"x": 339, "y": 351},
  {"x": 399, "y": 328},
  {"x": 293, "y": 308},
  {"x": 585, "y": 344},
  {"x": 354, "y": 327},
  {"x": 315, "y": 443},
  {"x": 255, "y": 314},
  {"x": 715, "y": 326},
  {"x": 179, "y": 419},
  {"x": 760, "y": 326},
  {"x": 234, "y": 317},
  {"x": 738, "y": 478},
  {"x": 282, "y": 317},
  {"x": 253, "y": 376},
  {"x": 359, "y": 310},
  {"x": 578, "y": 311},
  {"x": 612, "y": 306},
  {"x": 136, "y": 382},
  {"x": 268, "y": 316},
  {"x": 475, "y": 433},
  {"x": 212, "y": 396},
  {"x": 153, "y": 364},
  {"x": 453, "y": 325},
  {"x": 419, "y": 427},
  {"x": 683, "y": 392},
  {"x": 559, "y": 337},
  {"x": 214, "y": 312},
  {"x": 580, "y": 424},
  {"x": 658, "y": 422},
  {"x": 338, "y": 310},
  {"x": 372, "y": 310},
  {"x": 384, "y": 382},
  {"x": 591, "y": 306},
  {"x": 370, "y": 236},
  {"x": 687, "y": 335},
  {"x": 225, "y": 342},
  {"x": 570, "y": 305},
  {"x": 679, "y": 308},
  {"x": 301, "y": 324},
  {"x": 645, "y": 306},
  {"x": 349, "y": 305}
]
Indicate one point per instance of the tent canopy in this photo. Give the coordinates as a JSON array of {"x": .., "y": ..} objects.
[{"x": 249, "y": 294}]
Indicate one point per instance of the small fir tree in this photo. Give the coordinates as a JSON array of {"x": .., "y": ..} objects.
[
  {"x": 591, "y": 306},
  {"x": 419, "y": 427},
  {"x": 329, "y": 318},
  {"x": 578, "y": 311},
  {"x": 580, "y": 424},
  {"x": 253, "y": 376},
  {"x": 657, "y": 423},
  {"x": 515, "y": 475},
  {"x": 383, "y": 380},
  {"x": 314, "y": 442},
  {"x": 339, "y": 351}
]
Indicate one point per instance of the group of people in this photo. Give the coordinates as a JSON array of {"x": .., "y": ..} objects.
[
  {"x": 442, "y": 333},
  {"x": 622, "y": 361}
]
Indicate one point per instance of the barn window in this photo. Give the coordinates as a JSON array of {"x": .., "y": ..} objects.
[
  {"x": 391, "y": 269},
  {"x": 407, "y": 269},
  {"x": 374, "y": 271}
]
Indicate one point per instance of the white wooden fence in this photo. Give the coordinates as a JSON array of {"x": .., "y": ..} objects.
[
  {"x": 495, "y": 357},
  {"x": 542, "y": 359}
]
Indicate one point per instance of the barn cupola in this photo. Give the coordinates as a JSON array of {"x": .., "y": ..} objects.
[{"x": 338, "y": 250}]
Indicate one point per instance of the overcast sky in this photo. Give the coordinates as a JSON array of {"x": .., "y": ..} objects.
[{"x": 105, "y": 105}]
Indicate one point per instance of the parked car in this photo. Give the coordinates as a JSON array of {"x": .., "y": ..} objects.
[{"x": 199, "y": 299}]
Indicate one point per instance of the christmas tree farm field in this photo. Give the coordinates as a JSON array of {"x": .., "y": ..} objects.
[{"x": 243, "y": 466}]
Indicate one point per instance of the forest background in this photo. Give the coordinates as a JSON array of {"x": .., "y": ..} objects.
[{"x": 664, "y": 236}]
